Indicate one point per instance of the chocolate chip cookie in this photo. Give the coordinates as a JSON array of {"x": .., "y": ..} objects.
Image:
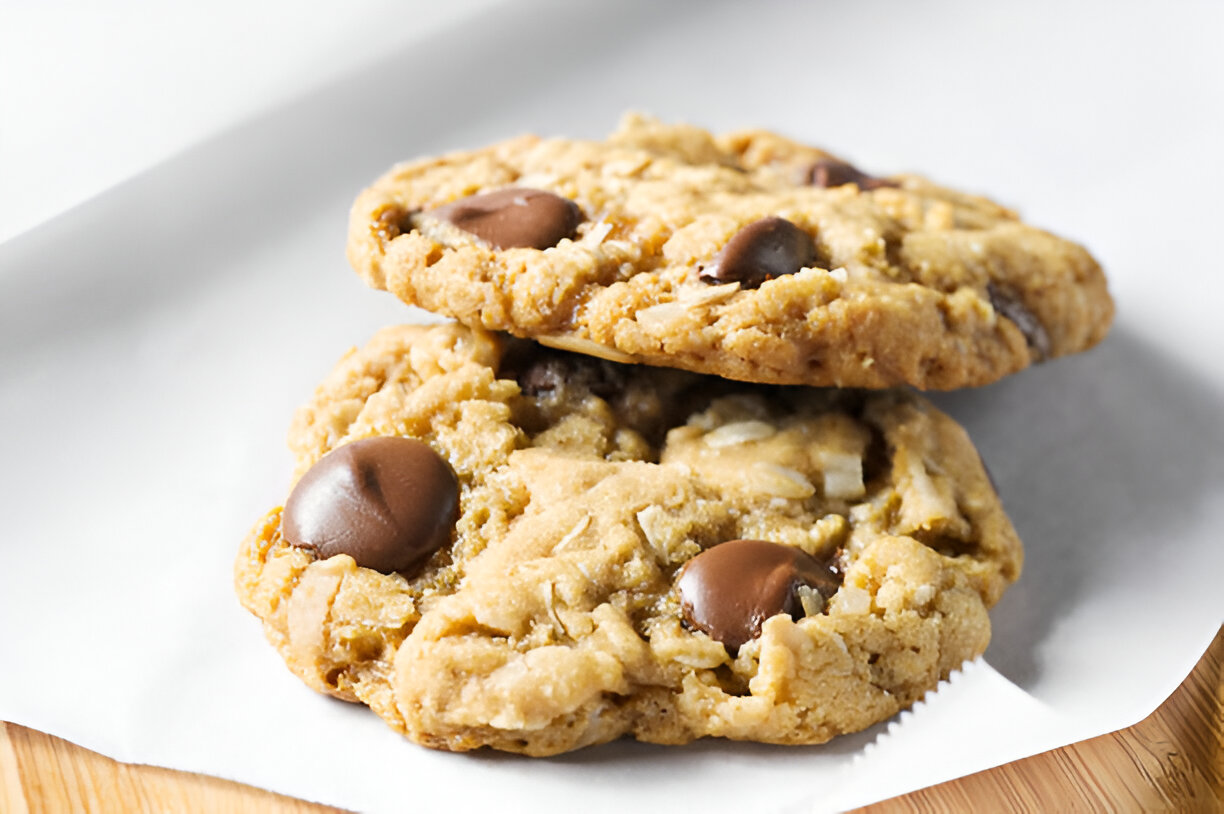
[
  {"x": 495, "y": 543},
  {"x": 746, "y": 256}
]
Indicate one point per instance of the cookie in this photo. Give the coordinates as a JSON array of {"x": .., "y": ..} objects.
[
  {"x": 746, "y": 256},
  {"x": 493, "y": 543}
]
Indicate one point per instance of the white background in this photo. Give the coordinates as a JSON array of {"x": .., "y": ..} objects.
[
  {"x": 93, "y": 93},
  {"x": 154, "y": 340}
]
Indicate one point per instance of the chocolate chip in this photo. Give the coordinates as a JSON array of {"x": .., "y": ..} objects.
[
  {"x": 542, "y": 371},
  {"x": 1010, "y": 306},
  {"x": 514, "y": 218},
  {"x": 542, "y": 377},
  {"x": 387, "y": 502},
  {"x": 829, "y": 172},
  {"x": 767, "y": 248},
  {"x": 728, "y": 591}
]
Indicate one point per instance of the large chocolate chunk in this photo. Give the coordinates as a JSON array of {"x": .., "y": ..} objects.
[
  {"x": 728, "y": 591},
  {"x": 1011, "y": 307},
  {"x": 387, "y": 502},
  {"x": 514, "y": 218},
  {"x": 829, "y": 172},
  {"x": 767, "y": 248}
]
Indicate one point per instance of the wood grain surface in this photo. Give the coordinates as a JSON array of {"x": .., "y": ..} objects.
[{"x": 1172, "y": 761}]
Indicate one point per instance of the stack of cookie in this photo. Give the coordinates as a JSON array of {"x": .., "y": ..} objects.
[{"x": 666, "y": 476}]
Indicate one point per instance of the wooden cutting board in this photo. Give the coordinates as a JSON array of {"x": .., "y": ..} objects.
[{"x": 1172, "y": 761}]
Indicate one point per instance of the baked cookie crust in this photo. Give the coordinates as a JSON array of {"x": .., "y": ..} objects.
[
  {"x": 906, "y": 282},
  {"x": 553, "y": 618}
]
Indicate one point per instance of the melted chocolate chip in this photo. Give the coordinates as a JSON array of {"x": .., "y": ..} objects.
[
  {"x": 514, "y": 218},
  {"x": 387, "y": 502},
  {"x": 829, "y": 172},
  {"x": 768, "y": 248},
  {"x": 728, "y": 591},
  {"x": 1010, "y": 306}
]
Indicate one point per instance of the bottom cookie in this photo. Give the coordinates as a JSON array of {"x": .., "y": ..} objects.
[{"x": 572, "y": 550}]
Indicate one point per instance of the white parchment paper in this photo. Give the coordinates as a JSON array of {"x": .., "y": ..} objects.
[{"x": 154, "y": 342}]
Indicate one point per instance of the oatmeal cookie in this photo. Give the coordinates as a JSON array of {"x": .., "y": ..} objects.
[
  {"x": 747, "y": 256},
  {"x": 494, "y": 543}
]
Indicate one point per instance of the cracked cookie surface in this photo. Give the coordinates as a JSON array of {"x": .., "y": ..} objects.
[
  {"x": 617, "y": 249},
  {"x": 556, "y": 615}
]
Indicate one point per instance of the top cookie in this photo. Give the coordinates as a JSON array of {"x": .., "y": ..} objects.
[{"x": 748, "y": 256}]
